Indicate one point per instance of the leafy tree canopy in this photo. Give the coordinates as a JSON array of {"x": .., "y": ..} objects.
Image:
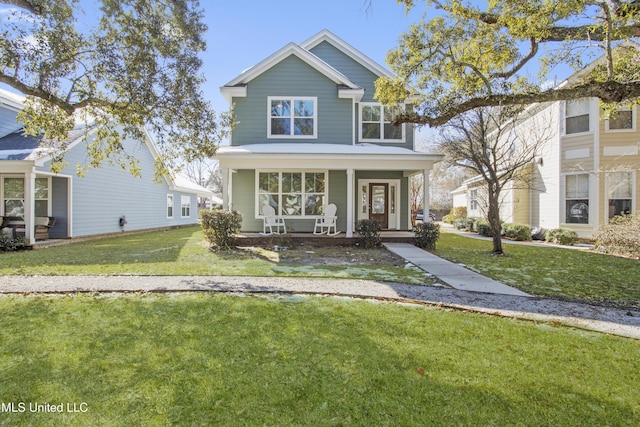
[
  {"x": 462, "y": 56},
  {"x": 129, "y": 64}
]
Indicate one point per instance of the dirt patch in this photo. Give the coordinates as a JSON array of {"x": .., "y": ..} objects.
[{"x": 329, "y": 255}]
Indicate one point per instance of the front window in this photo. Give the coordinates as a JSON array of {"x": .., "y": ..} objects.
[
  {"x": 292, "y": 117},
  {"x": 185, "y": 206},
  {"x": 292, "y": 193},
  {"x": 42, "y": 197},
  {"x": 577, "y": 198},
  {"x": 576, "y": 116},
  {"x": 13, "y": 197},
  {"x": 621, "y": 119},
  {"x": 473, "y": 197},
  {"x": 376, "y": 123},
  {"x": 620, "y": 188}
]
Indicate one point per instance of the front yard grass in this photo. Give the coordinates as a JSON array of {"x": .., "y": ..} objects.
[
  {"x": 183, "y": 251},
  {"x": 548, "y": 271},
  {"x": 211, "y": 359}
]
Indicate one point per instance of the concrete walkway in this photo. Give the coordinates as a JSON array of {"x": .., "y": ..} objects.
[{"x": 452, "y": 274}]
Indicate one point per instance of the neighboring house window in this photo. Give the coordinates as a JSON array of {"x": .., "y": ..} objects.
[
  {"x": 577, "y": 198},
  {"x": 292, "y": 117},
  {"x": 185, "y": 206},
  {"x": 576, "y": 116},
  {"x": 623, "y": 119},
  {"x": 620, "y": 189},
  {"x": 13, "y": 197},
  {"x": 292, "y": 193},
  {"x": 42, "y": 197},
  {"x": 473, "y": 200},
  {"x": 375, "y": 123},
  {"x": 169, "y": 205}
]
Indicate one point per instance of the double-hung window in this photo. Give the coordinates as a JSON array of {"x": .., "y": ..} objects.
[
  {"x": 620, "y": 192},
  {"x": 576, "y": 116},
  {"x": 42, "y": 197},
  {"x": 577, "y": 198},
  {"x": 473, "y": 198},
  {"x": 185, "y": 206},
  {"x": 376, "y": 123},
  {"x": 13, "y": 197},
  {"x": 169, "y": 205},
  {"x": 292, "y": 193},
  {"x": 292, "y": 117},
  {"x": 621, "y": 119}
]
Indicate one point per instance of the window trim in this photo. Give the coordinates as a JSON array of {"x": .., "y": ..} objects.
[
  {"x": 606, "y": 190},
  {"x": 633, "y": 121},
  {"x": 172, "y": 207},
  {"x": 303, "y": 193},
  {"x": 402, "y": 140},
  {"x": 292, "y": 117},
  {"x": 565, "y": 199},
  {"x": 566, "y": 116},
  {"x": 183, "y": 206}
]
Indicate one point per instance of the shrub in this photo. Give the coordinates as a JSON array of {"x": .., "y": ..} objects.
[
  {"x": 482, "y": 227},
  {"x": 459, "y": 212},
  {"x": 447, "y": 219},
  {"x": 561, "y": 236},
  {"x": 8, "y": 243},
  {"x": 471, "y": 224},
  {"x": 620, "y": 237},
  {"x": 427, "y": 234},
  {"x": 220, "y": 227},
  {"x": 369, "y": 231},
  {"x": 460, "y": 223},
  {"x": 520, "y": 232}
]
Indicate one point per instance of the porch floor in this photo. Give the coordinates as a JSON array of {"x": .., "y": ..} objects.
[{"x": 258, "y": 239}]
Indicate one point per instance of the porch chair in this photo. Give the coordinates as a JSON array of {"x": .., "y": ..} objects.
[
  {"x": 271, "y": 221},
  {"x": 42, "y": 226},
  {"x": 327, "y": 221}
]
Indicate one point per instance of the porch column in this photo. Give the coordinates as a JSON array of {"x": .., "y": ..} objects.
[
  {"x": 226, "y": 189},
  {"x": 425, "y": 196},
  {"x": 350, "y": 202},
  {"x": 29, "y": 206}
]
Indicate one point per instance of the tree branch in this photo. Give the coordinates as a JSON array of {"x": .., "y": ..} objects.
[{"x": 34, "y": 7}]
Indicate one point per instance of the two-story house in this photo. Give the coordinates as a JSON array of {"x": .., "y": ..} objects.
[
  {"x": 39, "y": 204},
  {"x": 585, "y": 173},
  {"x": 309, "y": 133}
]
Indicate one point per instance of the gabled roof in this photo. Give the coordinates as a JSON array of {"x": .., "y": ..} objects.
[
  {"x": 347, "y": 88},
  {"x": 347, "y": 49}
]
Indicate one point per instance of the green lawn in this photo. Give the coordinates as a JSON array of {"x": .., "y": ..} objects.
[
  {"x": 181, "y": 251},
  {"x": 548, "y": 271},
  {"x": 210, "y": 359}
]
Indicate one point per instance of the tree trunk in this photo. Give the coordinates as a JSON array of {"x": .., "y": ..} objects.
[{"x": 493, "y": 216}]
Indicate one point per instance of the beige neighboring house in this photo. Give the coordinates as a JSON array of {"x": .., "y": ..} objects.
[{"x": 586, "y": 172}]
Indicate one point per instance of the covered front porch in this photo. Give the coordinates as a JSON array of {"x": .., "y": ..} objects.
[
  {"x": 36, "y": 205},
  {"x": 364, "y": 181}
]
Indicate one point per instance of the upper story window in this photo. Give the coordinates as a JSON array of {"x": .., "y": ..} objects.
[
  {"x": 292, "y": 117},
  {"x": 623, "y": 119},
  {"x": 576, "y": 116},
  {"x": 375, "y": 123}
]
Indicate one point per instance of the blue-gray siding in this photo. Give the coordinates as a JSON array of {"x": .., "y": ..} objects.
[{"x": 107, "y": 193}]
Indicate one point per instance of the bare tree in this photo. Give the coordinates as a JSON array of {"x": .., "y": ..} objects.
[{"x": 498, "y": 144}]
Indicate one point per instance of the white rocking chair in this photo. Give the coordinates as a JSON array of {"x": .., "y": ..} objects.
[
  {"x": 271, "y": 221},
  {"x": 327, "y": 221}
]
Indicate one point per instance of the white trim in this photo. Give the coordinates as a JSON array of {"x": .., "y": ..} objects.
[
  {"x": 633, "y": 121},
  {"x": 381, "y": 122},
  {"x": 590, "y": 107},
  {"x": 593, "y": 208},
  {"x": 230, "y": 92},
  {"x": 306, "y": 56},
  {"x": 347, "y": 49},
  {"x": 293, "y": 99},
  {"x": 183, "y": 206},
  {"x": 620, "y": 150},
  {"x": 580, "y": 153}
]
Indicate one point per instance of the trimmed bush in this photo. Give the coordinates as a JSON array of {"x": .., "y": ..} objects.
[
  {"x": 459, "y": 212},
  {"x": 427, "y": 234},
  {"x": 482, "y": 227},
  {"x": 220, "y": 227},
  {"x": 460, "y": 223},
  {"x": 369, "y": 231},
  {"x": 561, "y": 236},
  {"x": 447, "y": 219},
  {"x": 620, "y": 237},
  {"x": 520, "y": 232}
]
